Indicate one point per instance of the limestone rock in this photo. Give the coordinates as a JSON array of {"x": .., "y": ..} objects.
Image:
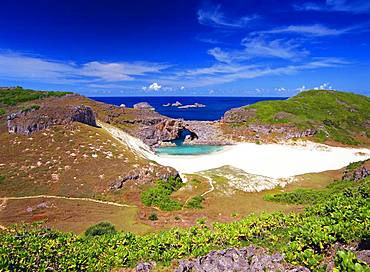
[
  {"x": 356, "y": 175},
  {"x": 245, "y": 259},
  {"x": 30, "y": 121}
]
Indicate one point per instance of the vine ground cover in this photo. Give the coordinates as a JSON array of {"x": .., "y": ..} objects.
[{"x": 304, "y": 238}]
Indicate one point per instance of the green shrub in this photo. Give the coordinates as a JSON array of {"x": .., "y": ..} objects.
[
  {"x": 153, "y": 217},
  {"x": 2, "y": 178},
  {"x": 310, "y": 196},
  {"x": 347, "y": 261},
  {"x": 159, "y": 195},
  {"x": 195, "y": 202},
  {"x": 2, "y": 111},
  {"x": 101, "y": 228},
  {"x": 30, "y": 108}
]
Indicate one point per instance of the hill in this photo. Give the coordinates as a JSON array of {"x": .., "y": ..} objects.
[
  {"x": 323, "y": 115},
  {"x": 50, "y": 153}
]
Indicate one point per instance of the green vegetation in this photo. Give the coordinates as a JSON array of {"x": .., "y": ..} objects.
[
  {"x": 153, "y": 217},
  {"x": 310, "y": 196},
  {"x": 30, "y": 108},
  {"x": 159, "y": 195},
  {"x": 2, "y": 111},
  {"x": 347, "y": 261},
  {"x": 2, "y": 178},
  {"x": 101, "y": 228},
  {"x": 304, "y": 238},
  {"x": 14, "y": 96},
  {"x": 195, "y": 202},
  {"x": 338, "y": 116}
]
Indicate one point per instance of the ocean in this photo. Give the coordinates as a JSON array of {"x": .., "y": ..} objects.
[{"x": 214, "y": 109}]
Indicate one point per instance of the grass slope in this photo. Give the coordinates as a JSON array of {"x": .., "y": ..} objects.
[
  {"x": 338, "y": 116},
  {"x": 17, "y": 95}
]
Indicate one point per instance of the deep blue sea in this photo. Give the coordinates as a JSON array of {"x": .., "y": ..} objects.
[{"x": 214, "y": 110}]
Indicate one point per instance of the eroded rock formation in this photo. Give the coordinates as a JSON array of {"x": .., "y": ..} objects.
[
  {"x": 29, "y": 121},
  {"x": 245, "y": 259}
]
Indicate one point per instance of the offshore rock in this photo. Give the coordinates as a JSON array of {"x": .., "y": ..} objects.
[
  {"x": 244, "y": 259},
  {"x": 143, "y": 106},
  {"x": 29, "y": 121}
]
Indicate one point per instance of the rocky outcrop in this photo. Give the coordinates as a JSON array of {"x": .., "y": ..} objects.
[
  {"x": 238, "y": 115},
  {"x": 144, "y": 267},
  {"x": 29, "y": 121},
  {"x": 245, "y": 259},
  {"x": 358, "y": 174},
  {"x": 143, "y": 175},
  {"x": 143, "y": 106}
]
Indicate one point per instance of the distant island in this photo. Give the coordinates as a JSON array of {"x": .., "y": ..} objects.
[{"x": 179, "y": 105}]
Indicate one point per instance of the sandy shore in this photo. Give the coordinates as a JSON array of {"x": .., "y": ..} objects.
[{"x": 270, "y": 160}]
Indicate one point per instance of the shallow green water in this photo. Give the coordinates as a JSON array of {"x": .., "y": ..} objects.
[{"x": 187, "y": 149}]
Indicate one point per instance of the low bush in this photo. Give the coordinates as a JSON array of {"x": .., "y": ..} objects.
[
  {"x": 153, "y": 217},
  {"x": 195, "y": 202},
  {"x": 101, "y": 228},
  {"x": 159, "y": 195}
]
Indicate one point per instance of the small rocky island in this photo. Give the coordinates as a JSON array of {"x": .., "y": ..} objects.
[
  {"x": 179, "y": 105},
  {"x": 195, "y": 105}
]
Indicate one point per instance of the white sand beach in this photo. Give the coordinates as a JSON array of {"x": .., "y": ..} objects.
[{"x": 270, "y": 160}]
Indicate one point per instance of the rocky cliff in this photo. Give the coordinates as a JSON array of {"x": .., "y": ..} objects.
[{"x": 35, "y": 119}]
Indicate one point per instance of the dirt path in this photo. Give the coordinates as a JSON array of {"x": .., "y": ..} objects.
[
  {"x": 210, "y": 183},
  {"x": 65, "y": 197}
]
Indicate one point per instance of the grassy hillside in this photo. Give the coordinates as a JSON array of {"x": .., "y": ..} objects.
[
  {"x": 339, "y": 116},
  {"x": 17, "y": 95},
  {"x": 306, "y": 239}
]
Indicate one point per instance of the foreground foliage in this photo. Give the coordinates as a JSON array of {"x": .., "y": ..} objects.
[
  {"x": 347, "y": 261},
  {"x": 309, "y": 196},
  {"x": 303, "y": 238}
]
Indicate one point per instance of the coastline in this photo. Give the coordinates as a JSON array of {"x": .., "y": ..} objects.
[
  {"x": 274, "y": 160},
  {"x": 281, "y": 160}
]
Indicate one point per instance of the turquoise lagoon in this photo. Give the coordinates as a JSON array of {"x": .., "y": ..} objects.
[{"x": 187, "y": 149}]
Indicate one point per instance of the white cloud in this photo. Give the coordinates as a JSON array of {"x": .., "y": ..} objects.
[
  {"x": 351, "y": 6},
  {"x": 279, "y": 48},
  {"x": 154, "y": 86},
  {"x": 182, "y": 88},
  {"x": 223, "y": 73},
  {"x": 281, "y": 89},
  {"x": 214, "y": 17},
  {"x": 260, "y": 47},
  {"x": 313, "y": 30},
  {"x": 301, "y": 89},
  {"x": 28, "y": 67},
  {"x": 324, "y": 86}
]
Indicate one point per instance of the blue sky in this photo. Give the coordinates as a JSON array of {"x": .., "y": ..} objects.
[{"x": 146, "y": 47}]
